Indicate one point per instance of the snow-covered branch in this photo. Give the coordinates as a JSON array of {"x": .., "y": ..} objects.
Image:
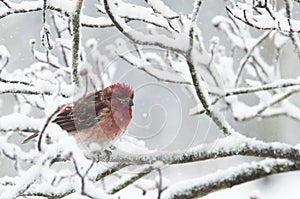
[
  {"x": 145, "y": 39},
  {"x": 228, "y": 178},
  {"x": 76, "y": 41},
  {"x": 262, "y": 16},
  {"x": 240, "y": 146}
]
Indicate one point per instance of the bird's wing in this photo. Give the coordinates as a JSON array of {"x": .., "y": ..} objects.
[{"x": 84, "y": 114}]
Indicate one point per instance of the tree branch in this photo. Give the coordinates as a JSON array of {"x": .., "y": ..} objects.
[
  {"x": 76, "y": 41},
  {"x": 228, "y": 178},
  {"x": 219, "y": 149}
]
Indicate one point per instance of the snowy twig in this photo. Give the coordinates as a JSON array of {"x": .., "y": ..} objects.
[
  {"x": 142, "y": 39},
  {"x": 282, "y": 83},
  {"x": 39, "y": 144},
  {"x": 29, "y": 6},
  {"x": 82, "y": 176},
  {"x": 14, "y": 82},
  {"x": 59, "y": 35},
  {"x": 47, "y": 195},
  {"x": 249, "y": 54},
  {"x": 190, "y": 63},
  {"x": 293, "y": 36},
  {"x": 5, "y": 3},
  {"x": 34, "y": 6},
  {"x": 155, "y": 73},
  {"x": 200, "y": 94},
  {"x": 27, "y": 90},
  {"x": 278, "y": 98},
  {"x": 44, "y": 59},
  {"x": 159, "y": 184},
  {"x": 128, "y": 179},
  {"x": 270, "y": 22},
  {"x": 25, "y": 130},
  {"x": 110, "y": 169}
]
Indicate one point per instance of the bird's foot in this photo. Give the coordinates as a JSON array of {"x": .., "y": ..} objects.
[{"x": 103, "y": 156}]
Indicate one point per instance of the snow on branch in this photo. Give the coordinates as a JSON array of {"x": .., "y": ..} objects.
[
  {"x": 282, "y": 83},
  {"x": 228, "y": 178},
  {"x": 264, "y": 17},
  {"x": 259, "y": 76},
  {"x": 240, "y": 145},
  {"x": 128, "y": 179},
  {"x": 178, "y": 42},
  {"x": 76, "y": 41},
  {"x": 66, "y": 8}
]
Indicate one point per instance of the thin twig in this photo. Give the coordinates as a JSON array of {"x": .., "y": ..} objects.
[{"x": 39, "y": 144}]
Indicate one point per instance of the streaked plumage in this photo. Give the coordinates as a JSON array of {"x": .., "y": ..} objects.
[{"x": 100, "y": 117}]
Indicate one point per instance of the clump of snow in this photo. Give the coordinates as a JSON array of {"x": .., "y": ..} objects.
[
  {"x": 162, "y": 8},
  {"x": 278, "y": 39},
  {"x": 4, "y": 52},
  {"x": 131, "y": 145},
  {"x": 76, "y": 195},
  {"x": 16, "y": 120}
]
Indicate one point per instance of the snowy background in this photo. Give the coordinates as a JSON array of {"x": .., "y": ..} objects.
[{"x": 162, "y": 112}]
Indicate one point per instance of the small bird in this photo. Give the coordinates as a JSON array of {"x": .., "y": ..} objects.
[{"x": 100, "y": 117}]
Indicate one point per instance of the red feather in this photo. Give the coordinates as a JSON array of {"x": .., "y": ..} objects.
[{"x": 99, "y": 117}]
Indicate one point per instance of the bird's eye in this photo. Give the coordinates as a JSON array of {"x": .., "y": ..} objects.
[{"x": 117, "y": 96}]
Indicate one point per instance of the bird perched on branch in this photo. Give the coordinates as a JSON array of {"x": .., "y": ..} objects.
[{"x": 100, "y": 117}]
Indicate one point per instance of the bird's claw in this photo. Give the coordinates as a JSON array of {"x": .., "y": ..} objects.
[
  {"x": 103, "y": 156},
  {"x": 107, "y": 154}
]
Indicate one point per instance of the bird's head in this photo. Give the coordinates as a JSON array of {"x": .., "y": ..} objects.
[{"x": 121, "y": 95}]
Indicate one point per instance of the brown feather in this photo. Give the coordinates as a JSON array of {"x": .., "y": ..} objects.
[{"x": 84, "y": 114}]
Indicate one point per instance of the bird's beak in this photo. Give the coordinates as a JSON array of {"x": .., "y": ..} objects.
[
  {"x": 127, "y": 102},
  {"x": 130, "y": 102}
]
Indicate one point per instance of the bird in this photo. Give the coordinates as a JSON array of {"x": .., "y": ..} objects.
[{"x": 100, "y": 117}]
